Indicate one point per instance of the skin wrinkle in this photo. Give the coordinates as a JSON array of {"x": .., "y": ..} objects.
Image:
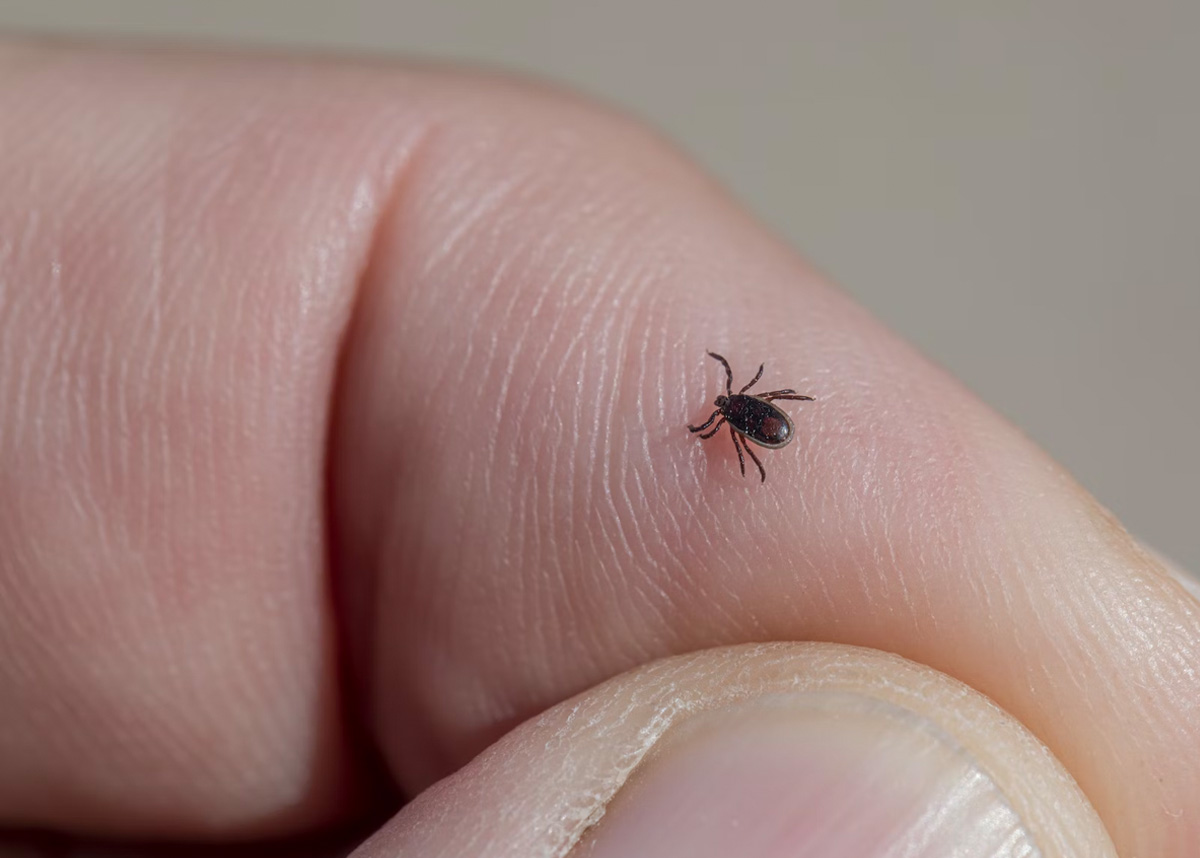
[
  {"x": 924, "y": 530},
  {"x": 894, "y": 594},
  {"x": 491, "y": 361},
  {"x": 634, "y": 541},
  {"x": 465, "y": 214},
  {"x": 613, "y": 337},
  {"x": 674, "y": 543},
  {"x": 587, "y": 305},
  {"x": 942, "y": 557},
  {"x": 546, "y": 399},
  {"x": 601, "y": 451},
  {"x": 555, "y": 428},
  {"x": 1076, "y": 646},
  {"x": 609, "y": 291}
]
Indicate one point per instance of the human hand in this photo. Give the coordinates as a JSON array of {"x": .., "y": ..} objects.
[{"x": 344, "y": 430}]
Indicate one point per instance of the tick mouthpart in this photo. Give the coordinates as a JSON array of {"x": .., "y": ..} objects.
[{"x": 721, "y": 401}]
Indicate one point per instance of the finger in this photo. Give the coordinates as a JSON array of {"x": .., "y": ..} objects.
[
  {"x": 104, "y": 643},
  {"x": 180, "y": 239},
  {"x": 523, "y": 512},
  {"x": 801, "y": 749}
]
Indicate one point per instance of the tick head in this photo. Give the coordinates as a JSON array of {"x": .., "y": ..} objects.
[{"x": 721, "y": 401}]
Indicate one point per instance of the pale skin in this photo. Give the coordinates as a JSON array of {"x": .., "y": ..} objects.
[{"x": 344, "y": 429}]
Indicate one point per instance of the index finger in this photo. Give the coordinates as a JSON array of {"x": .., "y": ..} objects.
[{"x": 525, "y": 512}]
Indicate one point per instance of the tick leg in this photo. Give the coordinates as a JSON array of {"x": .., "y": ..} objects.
[
  {"x": 707, "y": 422},
  {"x": 754, "y": 380},
  {"x": 738, "y": 447},
  {"x": 799, "y": 396},
  {"x": 715, "y": 429},
  {"x": 755, "y": 458},
  {"x": 728, "y": 373},
  {"x": 774, "y": 393}
]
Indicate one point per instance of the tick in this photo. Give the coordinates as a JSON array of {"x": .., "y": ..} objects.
[{"x": 751, "y": 416}]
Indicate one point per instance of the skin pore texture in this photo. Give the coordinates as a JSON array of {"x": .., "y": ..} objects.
[{"x": 345, "y": 430}]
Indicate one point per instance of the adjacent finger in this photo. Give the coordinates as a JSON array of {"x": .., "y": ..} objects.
[{"x": 180, "y": 241}]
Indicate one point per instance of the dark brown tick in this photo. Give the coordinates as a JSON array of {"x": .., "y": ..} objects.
[{"x": 752, "y": 416}]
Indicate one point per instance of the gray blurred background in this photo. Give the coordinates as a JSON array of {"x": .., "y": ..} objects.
[{"x": 1014, "y": 185}]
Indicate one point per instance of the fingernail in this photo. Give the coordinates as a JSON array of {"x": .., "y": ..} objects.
[{"x": 826, "y": 774}]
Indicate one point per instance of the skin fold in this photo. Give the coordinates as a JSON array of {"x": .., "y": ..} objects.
[{"x": 344, "y": 430}]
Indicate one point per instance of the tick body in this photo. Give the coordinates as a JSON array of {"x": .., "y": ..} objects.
[{"x": 751, "y": 417}]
